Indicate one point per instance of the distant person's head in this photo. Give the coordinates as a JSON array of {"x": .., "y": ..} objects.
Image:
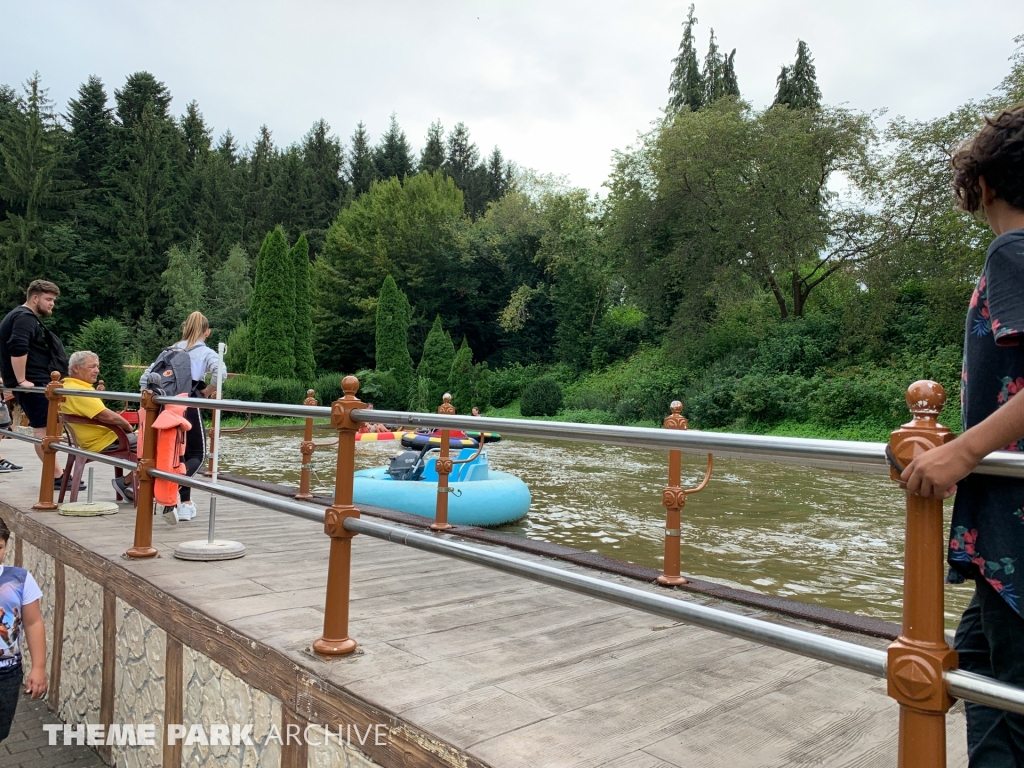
[
  {"x": 988, "y": 169},
  {"x": 40, "y": 296},
  {"x": 84, "y": 366},
  {"x": 195, "y": 329},
  {"x": 475, "y": 411}
]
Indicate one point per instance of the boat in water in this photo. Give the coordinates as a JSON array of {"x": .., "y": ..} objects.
[{"x": 480, "y": 495}]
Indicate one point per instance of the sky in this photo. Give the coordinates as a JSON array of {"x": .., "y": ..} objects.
[{"x": 557, "y": 85}]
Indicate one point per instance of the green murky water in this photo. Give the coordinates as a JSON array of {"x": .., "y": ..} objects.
[{"x": 830, "y": 538}]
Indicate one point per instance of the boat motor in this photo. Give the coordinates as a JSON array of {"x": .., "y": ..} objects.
[{"x": 408, "y": 465}]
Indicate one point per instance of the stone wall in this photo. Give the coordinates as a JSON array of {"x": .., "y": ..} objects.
[
  {"x": 139, "y": 679},
  {"x": 41, "y": 566},
  {"x": 211, "y": 695},
  {"x": 82, "y": 650},
  {"x": 328, "y": 751}
]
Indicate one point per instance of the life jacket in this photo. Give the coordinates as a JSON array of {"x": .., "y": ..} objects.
[{"x": 171, "y": 426}]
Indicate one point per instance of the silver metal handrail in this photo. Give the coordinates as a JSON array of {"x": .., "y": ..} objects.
[{"x": 19, "y": 436}]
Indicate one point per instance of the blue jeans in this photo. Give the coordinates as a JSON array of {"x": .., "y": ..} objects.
[
  {"x": 990, "y": 642},
  {"x": 10, "y": 690}
]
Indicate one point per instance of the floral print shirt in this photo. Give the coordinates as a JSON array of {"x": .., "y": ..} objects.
[{"x": 987, "y": 534}]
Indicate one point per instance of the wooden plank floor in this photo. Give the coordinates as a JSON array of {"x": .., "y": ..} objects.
[{"x": 515, "y": 673}]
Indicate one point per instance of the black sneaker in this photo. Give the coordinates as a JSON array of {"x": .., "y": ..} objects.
[
  {"x": 57, "y": 481},
  {"x": 123, "y": 488},
  {"x": 7, "y": 466}
]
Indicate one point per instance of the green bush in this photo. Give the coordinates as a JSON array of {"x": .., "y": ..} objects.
[
  {"x": 507, "y": 383},
  {"x": 248, "y": 388},
  {"x": 711, "y": 405},
  {"x": 541, "y": 398},
  {"x": 865, "y": 395},
  {"x": 771, "y": 399},
  {"x": 328, "y": 388},
  {"x": 590, "y": 400},
  {"x": 288, "y": 391},
  {"x": 238, "y": 349},
  {"x": 618, "y": 334}
]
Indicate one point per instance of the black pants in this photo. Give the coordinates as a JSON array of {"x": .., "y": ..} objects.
[
  {"x": 990, "y": 642},
  {"x": 10, "y": 690},
  {"x": 195, "y": 449}
]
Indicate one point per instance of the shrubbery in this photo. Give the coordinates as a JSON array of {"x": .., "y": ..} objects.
[
  {"x": 249, "y": 388},
  {"x": 542, "y": 397},
  {"x": 507, "y": 383}
]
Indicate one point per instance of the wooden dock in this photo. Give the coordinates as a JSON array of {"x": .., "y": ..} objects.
[{"x": 509, "y": 673}]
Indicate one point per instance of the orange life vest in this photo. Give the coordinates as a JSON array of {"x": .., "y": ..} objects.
[{"x": 171, "y": 426}]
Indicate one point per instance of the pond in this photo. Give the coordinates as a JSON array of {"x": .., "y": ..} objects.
[{"x": 830, "y": 538}]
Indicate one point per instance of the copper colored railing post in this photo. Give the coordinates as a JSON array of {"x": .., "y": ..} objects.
[
  {"x": 307, "y": 448},
  {"x": 335, "y": 640},
  {"x": 143, "y": 546},
  {"x": 52, "y": 437},
  {"x": 673, "y": 499},
  {"x": 918, "y": 658},
  {"x": 444, "y": 468}
]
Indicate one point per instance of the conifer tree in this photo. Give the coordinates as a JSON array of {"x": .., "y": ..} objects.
[
  {"x": 460, "y": 380},
  {"x": 260, "y": 181},
  {"x": 184, "y": 282},
  {"x": 797, "y": 86},
  {"x": 730, "y": 83},
  {"x": 462, "y": 156},
  {"x": 432, "y": 157},
  {"x": 361, "y": 170},
  {"x": 227, "y": 148},
  {"x": 140, "y": 90},
  {"x": 714, "y": 72},
  {"x": 393, "y": 157},
  {"x": 436, "y": 363},
  {"x": 196, "y": 134},
  {"x": 92, "y": 128},
  {"x": 272, "y": 311},
  {"x": 686, "y": 86},
  {"x": 323, "y": 186},
  {"x": 108, "y": 338},
  {"x": 231, "y": 292},
  {"x": 305, "y": 365},
  {"x": 499, "y": 176},
  {"x": 392, "y": 341}
]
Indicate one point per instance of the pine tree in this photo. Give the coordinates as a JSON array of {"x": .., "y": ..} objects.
[
  {"x": 260, "y": 183},
  {"x": 714, "y": 72},
  {"x": 686, "y": 86},
  {"x": 231, "y": 292},
  {"x": 730, "y": 82},
  {"x": 184, "y": 282},
  {"x": 393, "y": 157},
  {"x": 460, "y": 380},
  {"x": 108, "y": 338},
  {"x": 797, "y": 86},
  {"x": 197, "y": 135},
  {"x": 436, "y": 363},
  {"x": 462, "y": 156},
  {"x": 140, "y": 90},
  {"x": 323, "y": 186},
  {"x": 392, "y": 341},
  {"x": 432, "y": 157},
  {"x": 272, "y": 311},
  {"x": 227, "y": 148},
  {"x": 499, "y": 176},
  {"x": 305, "y": 365},
  {"x": 361, "y": 170},
  {"x": 92, "y": 129}
]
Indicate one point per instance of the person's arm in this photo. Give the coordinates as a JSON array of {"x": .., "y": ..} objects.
[
  {"x": 107, "y": 416},
  {"x": 35, "y": 633},
  {"x": 18, "y": 364},
  {"x": 22, "y": 329}
]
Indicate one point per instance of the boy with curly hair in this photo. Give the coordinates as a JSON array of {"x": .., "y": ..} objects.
[{"x": 986, "y": 542}]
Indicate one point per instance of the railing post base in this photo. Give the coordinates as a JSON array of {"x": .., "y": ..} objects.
[
  {"x": 141, "y": 553},
  {"x": 671, "y": 581}
]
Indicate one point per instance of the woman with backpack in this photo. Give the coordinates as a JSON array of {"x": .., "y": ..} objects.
[{"x": 203, "y": 362}]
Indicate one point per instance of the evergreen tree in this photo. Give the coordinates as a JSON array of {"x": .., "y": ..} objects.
[
  {"x": 686, "y": 86},
  {"x": 272, "y": 311},
  {"x": 259, "y": 182},
  {"x": 227, "y": 148},
  {"x": 460, "y": 380},
  {"x": 714, "y": 72},
  {"x": 196, "y": 134},
  {"x": 35, "y": 186},
  {"x": 797, "y": 86},
  {"x": 231, "y": 292},
  {"x": 392, "y": 341},
  {"x": 108, "y": 338},
  {"x": 393, "y": 157},
  {"x": 730, "y": 82},
  {"x": 92, "y": 133},
  {"x": 142, "y": 90},
  {"x": 184, "y": 282},
  {"x": 435, "y": 364},
  {"x": 323, "y": 186},
  {"x": 462, "y": 156},
  {"x": 432, "y": 156},
  {"x": 499, "y": 176},
  {"x": 361, "y": 170},
  {"x": 305, "y": 365}
]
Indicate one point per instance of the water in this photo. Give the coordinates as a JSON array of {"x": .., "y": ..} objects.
[{"x": 823, "y": 537}]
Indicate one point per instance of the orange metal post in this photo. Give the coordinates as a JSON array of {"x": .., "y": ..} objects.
[
  {"x": 673, "y": 499},
  {"x": 335, "y": 640},
  {"x": 52, "y": 437},
  {"x": 444, "y": 468},
  {"x": 307, "y": 448},
  {"x": 143, "y": 546},
  {"x": 918, "y": 658}
]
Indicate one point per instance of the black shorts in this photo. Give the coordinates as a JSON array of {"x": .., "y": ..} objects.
[
  {"x": 35, "y": 407},
  {"x": 133, "y": 442}
]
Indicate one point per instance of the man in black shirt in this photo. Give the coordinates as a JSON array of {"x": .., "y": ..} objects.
[{"x": 28, "y": 352}]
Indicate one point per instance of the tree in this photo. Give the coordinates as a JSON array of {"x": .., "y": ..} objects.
[
  {"x": 109, "y": 340},
  {"x": 35, "y": 186},
  {"x": 393, "y": 157},
  {"x": 432, "y": 156},
  {"x": 436, "y": 363},
  {"x": 361, "y": 170},
  {"x": 142, "y": 90},
  {"x": 323, "y": 185},
  {"x": 686, "y": 86},
  {"x": 730, "y": 82},
  {"x": 461, "y": 378},
  {"x": 392, "y": 341},
  {"x": 184, "y": 282},
  {"x": 797, "y": 86},
  {"x": 499, "y": 176},
  {"x": 714, "y": 72},
  {"x": 305, "y": 365},
  {"x": 272, "y": 311},
  {"x": 231, "y": 292},
  {"x": 462, "y": 156}
]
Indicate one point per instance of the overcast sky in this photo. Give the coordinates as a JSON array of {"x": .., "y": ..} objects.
[{"x": 556, "y": 85}]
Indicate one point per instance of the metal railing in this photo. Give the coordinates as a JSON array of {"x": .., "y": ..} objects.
[{"x": 919, "y": 666}]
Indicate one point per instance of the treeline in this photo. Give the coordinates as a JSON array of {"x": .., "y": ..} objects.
[{"x": 798, "y": 264}]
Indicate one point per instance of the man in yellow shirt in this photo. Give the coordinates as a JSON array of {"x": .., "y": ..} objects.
[{"x": 84, "y": 369}]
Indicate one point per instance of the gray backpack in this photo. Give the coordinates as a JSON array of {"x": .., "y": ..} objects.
[{"x": 171, "y": 374}]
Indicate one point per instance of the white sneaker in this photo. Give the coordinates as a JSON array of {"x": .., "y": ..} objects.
[
  {"x": 186, "y": 510},
  {"x": 171, "y": 515}
]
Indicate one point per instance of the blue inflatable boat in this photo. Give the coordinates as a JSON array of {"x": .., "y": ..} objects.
[{"x": 481, "y": 495}]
